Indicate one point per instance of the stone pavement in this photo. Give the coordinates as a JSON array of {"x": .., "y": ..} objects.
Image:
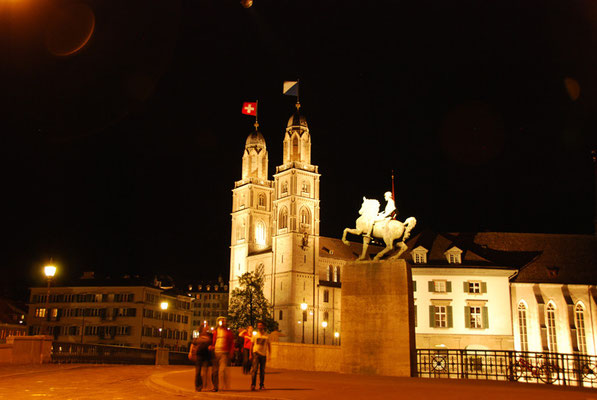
[{"x": 112, "y": 382}]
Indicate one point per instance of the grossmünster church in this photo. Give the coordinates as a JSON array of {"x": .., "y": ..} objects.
[{"x": 489, "y": 290}]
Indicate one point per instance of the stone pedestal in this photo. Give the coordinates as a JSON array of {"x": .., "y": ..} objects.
[
  {"x": 162, "y": 356},
  {"x": 378, "y": 330}
]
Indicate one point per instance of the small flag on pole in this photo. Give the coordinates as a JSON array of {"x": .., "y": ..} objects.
[
  {"x": 290, "y": 88},
  {"x": 250, "y": 109}
]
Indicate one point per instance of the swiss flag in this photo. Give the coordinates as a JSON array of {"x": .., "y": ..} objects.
[{"x": 250, "y": 109}]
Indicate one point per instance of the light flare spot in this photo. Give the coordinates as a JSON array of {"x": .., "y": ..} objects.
[{"x": 69, "y": 29}]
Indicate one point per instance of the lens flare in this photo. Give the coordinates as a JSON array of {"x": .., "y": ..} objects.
[{"x": 69, "y": 29}]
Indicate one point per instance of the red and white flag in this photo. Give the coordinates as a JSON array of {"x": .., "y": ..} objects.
[{"x": 250, "y": 109}]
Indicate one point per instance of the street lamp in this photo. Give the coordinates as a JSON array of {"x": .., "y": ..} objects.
[
  {"x": 337, "y": 336},
  {"x": 49, "y": 271},
  {"x": 164, "y": 307},
  {"x": 304, "y": 308},
  {"x": 324, "y": 324}
]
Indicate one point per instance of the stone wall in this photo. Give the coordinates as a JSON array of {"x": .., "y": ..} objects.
[
  {"x": 26, "y": 350},
  {"x": 305, "y": 357}
]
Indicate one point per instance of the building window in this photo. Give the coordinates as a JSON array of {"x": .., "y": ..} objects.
[
  {"x": 579, "y": 320},
  {"x": 440, "y": 316},
  {"x": 261, "y": 200},
  {"x": 326, "y": 296},
  {"x": 40, "y": 312},
  {"x": 285, "y": 187},
  {"x": 260, "y": 233},
  {"x": 440, "y": 286},
  {"x": 326, "y": 316},
  {"x": 454, "y": 258},
  {"x": 419, "y": 258},
  {"x": 280, "y": 315},
  {"x": 475, "y": 287},
  {"x": 552, "y": 340},
  {"x": 475, "y": 317},
  {"x": 337, "y": 273},
  {"x": 305, "y": 216},
  {"x": 283, "y": 218},
  {"x": 305, "y": 188},
  {"x": 522, "y": 326},
  {"x": 330, "y": 272}
]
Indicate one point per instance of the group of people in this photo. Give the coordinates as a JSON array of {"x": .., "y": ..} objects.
[{"x": 215, "y": 349}]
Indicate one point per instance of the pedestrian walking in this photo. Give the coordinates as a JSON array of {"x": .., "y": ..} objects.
[
  {"x": 223, "y": 347},
  {"x": 203, "y": 358},
  {"x": 247, "y": 335},
  {"x": 259, "y": 351}
]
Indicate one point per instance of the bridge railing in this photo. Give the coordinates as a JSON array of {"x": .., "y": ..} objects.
[
  {"x": 85, "y": 353},
  {"x": 521, "y": 366}
]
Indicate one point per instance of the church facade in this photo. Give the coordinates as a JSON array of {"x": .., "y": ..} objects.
[{"x": 530, "y": 292}]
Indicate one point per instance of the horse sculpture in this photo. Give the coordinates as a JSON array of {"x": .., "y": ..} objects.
[{"x": 387, "y": 230}]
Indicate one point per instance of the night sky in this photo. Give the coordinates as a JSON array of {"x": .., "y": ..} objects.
[{"x": 120, "y": 157}]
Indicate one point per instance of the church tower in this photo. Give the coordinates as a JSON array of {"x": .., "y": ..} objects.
[
  {"x": 295, "y": 237},
  {"x": 251, "y": 212}
]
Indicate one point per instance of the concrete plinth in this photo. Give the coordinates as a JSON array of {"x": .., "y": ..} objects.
[
  {"x": 162, "y": 356},
  {"x": 378, "y": 330}
]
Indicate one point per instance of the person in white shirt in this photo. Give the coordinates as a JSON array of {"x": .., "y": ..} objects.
[{"x": 259, "y": 350}]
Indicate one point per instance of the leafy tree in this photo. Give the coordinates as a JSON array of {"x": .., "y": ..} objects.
[{"x": 248, "y": 304}]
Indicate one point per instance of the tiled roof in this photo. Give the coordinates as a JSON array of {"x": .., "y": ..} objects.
[
  {"x": 334, "y": 248},
  {"x": 10, "y": 311},
  {"x": 540, "y": 258},
  {"x": 568, "y": 259}
]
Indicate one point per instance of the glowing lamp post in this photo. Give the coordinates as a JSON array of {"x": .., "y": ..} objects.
[
  {"x": 324, "y": 325},
  {"x": 49, "y": 271},
  {"x": 304, "y": 308},
  {"x": 164, "y": 307},
  {"x": 337, "y": 336}
]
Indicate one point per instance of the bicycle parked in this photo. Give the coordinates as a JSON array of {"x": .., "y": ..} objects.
[{"x": 543, "y": 370}]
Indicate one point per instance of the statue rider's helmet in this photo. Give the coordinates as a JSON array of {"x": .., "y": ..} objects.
[{"x": 387, "y": 195}]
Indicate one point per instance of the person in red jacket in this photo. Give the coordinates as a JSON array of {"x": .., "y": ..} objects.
[{"x": 223, "y": 347}]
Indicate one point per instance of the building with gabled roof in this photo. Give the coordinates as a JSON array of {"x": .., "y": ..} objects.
[{"x": 485, "y": 290}]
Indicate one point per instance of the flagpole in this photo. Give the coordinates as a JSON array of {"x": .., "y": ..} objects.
[
  {"x": 298, "y": 102},
  {"x": 393, "y": 195},
  {"x": 256, "y": 111}
]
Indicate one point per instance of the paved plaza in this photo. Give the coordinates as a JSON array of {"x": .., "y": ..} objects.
[{"x": 108, "y": 382}]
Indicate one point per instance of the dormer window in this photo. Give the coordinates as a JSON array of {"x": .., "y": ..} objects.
[
  {"x": 454, "y": 255},
  {"x": 419, "y": 255}
]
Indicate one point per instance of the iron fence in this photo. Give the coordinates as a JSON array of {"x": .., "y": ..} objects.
[
  {"x": 65, "y": 352},
  {"x": 521, "y": 366}
]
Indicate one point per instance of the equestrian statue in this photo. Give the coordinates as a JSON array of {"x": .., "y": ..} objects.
[{"x": 373, "y": 224}]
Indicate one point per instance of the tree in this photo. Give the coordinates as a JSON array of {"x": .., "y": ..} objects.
[{"x": 248, "y": 304}]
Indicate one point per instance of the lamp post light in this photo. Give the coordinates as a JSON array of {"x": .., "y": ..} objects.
[
  {"x": 324, "y": 325},
  {"x": 49, "y": 271},
  {"x": 304, "y": 308},
  {"x": 164, "y": 307},
  {"x": 337, "y": 336}
]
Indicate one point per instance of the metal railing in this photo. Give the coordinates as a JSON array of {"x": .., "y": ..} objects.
[
  {"x": 520, "y": 366},
  {"x": 65, "y": 352}
]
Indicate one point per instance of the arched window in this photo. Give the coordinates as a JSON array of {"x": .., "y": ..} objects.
[
  {"x": 240, "y": 230},
  {"x": 579, "y": 321},
  {"x": 260, "y": 233},
  {"x": 337, "y": 274},
  {"x": 522, "y": 326},
  {"x": 305, "y": 187},
  {"x": 259, "y": 270},
  {"x": 552, "y": 339},
  {"x": 284, "y": 187},
  {"x": 330, "y": 273},
  {"x": 283, "y": 218},
  {"x": 261, "y": 200},
  {"x": 295, "y": 146},
  {"x": 326, "y": 316},
  {"x": 305, "y": 216}
]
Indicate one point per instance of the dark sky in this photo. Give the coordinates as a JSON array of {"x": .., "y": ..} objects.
[{"x": 121, "y": 156}]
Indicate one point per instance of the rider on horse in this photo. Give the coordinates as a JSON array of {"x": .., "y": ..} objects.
[{"x": 388, "y": 213}]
